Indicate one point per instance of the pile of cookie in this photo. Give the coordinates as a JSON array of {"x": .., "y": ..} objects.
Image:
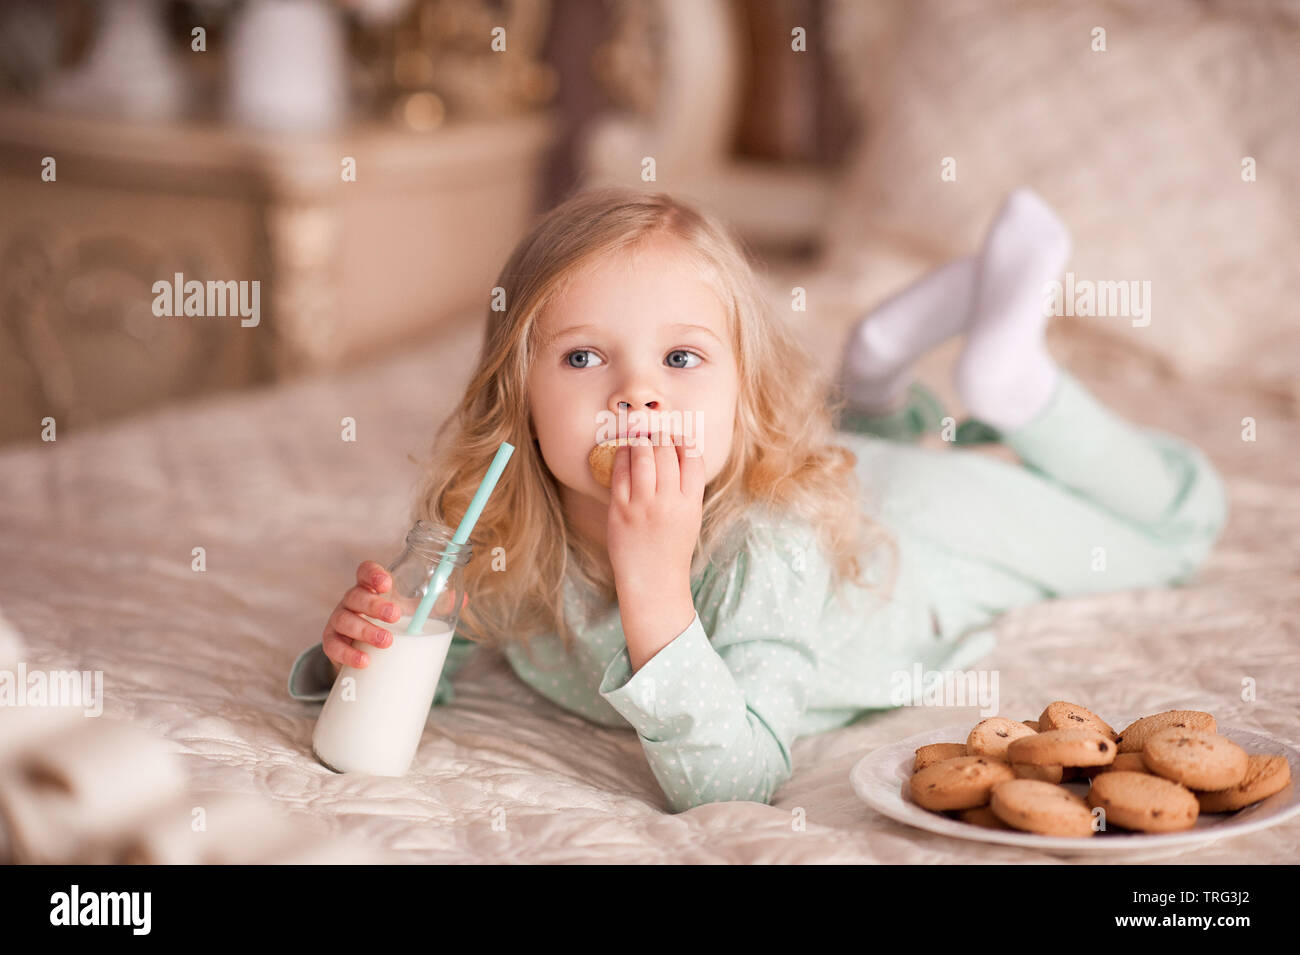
[{"x": 1157, "y": 775}]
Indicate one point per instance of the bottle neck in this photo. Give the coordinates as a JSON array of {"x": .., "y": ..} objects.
[{"x": 434, "y": 543}]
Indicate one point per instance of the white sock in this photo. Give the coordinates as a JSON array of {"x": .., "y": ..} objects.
[
  {"x": 1004, "y": 374},
  {"x": 876, "y": 367}
]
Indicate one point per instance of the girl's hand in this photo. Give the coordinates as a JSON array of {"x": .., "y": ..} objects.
[
  {"x": 656, "y": 506},
  {"x": 345, "y": 625}
]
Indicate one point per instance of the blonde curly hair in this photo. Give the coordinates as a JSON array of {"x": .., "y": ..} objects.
[{"x": 783, "y": 460}]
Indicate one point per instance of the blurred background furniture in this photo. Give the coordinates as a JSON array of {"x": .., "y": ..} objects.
[
  {"x": 364, "y": 230},
  {"x": 346, "y": 269},
  {"x": 739, "y": 105},
  {"x": 226, "y": 163},
  {"x": 815, "y": 127}
]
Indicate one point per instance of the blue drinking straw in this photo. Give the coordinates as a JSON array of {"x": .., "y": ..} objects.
[{"x": 447, "y": 562}]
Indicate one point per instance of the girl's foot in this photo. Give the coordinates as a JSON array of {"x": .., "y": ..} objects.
[
  {"x": 1004, "y": 374},
  {"x": 876, "y": 368}
]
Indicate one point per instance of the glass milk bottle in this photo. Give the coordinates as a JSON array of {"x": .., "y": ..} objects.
[{"x": 374, "y": 716}]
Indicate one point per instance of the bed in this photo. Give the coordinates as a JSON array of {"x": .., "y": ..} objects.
[{"x": 99, "y": 530}]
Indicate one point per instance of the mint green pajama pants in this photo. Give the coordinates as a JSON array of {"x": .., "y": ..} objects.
[{"x": 1097, "y": 504}]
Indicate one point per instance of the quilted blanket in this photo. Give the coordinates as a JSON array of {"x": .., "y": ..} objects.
[{"x": 98, "y": 538}]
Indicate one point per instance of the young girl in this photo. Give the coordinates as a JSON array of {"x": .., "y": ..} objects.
[{"x": 752, "y": 574}]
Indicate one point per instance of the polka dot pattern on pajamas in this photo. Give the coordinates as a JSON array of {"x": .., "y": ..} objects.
[{"x": 767, "y": 658}]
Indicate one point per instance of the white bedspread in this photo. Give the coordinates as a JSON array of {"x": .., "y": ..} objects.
[{"x": 98, "y": 529}]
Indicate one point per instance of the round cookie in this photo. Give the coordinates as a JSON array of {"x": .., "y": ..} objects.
[
  {"x": 601, "y": 459},
  {"x": 1143, "y": 802},
  {"x": 1265, "y": 775},
  {"x": 1068, "y": 716},
  {"x": 1046, "y": 774},
  {"x": 1135, "y": 735},
  {"x": 1197, "y": 759},
  {"x": 1036, "y": 806},
  {"x": 1124, "y": 762},
  {"x": 992, "y": 736},
  {"x": 1078, "y": 747},
  {"x": 936, "y": 752},
  {"x": 982, "y": 816},
  {"x": 962, "y": 782}
]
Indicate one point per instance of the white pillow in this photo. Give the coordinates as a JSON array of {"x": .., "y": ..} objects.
[{"x": 1139, "y": 148}]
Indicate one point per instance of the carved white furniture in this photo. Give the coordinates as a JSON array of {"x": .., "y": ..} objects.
[{"x": 347, "y": 268}]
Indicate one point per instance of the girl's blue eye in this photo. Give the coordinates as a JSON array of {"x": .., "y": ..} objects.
[
  {"x": 588, "y": 352},
  {"x": 682, "y": 351},
  {"x": 578, "y": 351}
]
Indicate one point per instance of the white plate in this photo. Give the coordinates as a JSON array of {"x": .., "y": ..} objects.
[{"x": 881, "y": 780}]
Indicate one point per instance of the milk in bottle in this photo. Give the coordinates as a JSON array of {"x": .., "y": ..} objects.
[{"x": 374, "y": 716}]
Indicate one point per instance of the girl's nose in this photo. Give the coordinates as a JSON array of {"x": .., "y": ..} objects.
[{"x": 629, "y": 406}]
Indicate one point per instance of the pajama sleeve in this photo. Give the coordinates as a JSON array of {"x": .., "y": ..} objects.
[
  {"x": 312, "y": 674},
  {"x": 717, "y": 713}
]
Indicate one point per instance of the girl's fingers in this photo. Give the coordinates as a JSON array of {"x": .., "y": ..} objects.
[
  {"x": 382, "y": 607},
  {"x": 341, "y": 651},
  {"x": 692, "y": 465},
  {"x": 361, "y": 600},
  {"x": 643, "y": 470},
  {"x": 667, "y": 470},
  {"x": 620, "y": 480},
  {"x": 372, "y": 575},
  {"x": 345, "y": 624},
  {"x": 348, "y": 624}
]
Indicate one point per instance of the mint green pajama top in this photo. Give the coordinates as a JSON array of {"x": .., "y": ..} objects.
[{"x": 1097, "y": 505}]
